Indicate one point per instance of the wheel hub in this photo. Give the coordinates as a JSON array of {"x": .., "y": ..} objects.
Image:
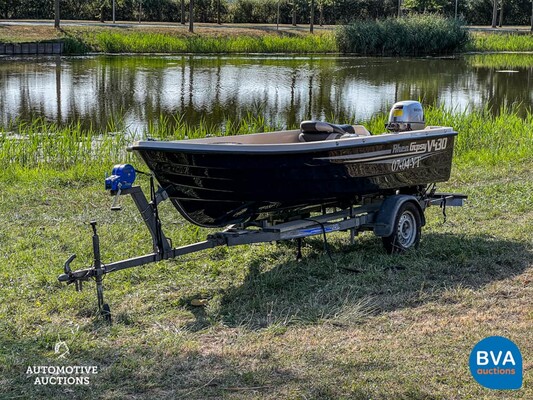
[{"x": 407, "y": 229}]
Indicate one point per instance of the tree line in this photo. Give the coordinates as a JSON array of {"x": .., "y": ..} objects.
[{"x": 483, "y": 12}]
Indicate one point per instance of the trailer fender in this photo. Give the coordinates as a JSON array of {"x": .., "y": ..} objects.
[{"x": 384, "y": 222}]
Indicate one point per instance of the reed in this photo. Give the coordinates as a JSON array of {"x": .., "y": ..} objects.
[
  {"x": 484, "y": 138},
  {"x": 414, "y": 35}
]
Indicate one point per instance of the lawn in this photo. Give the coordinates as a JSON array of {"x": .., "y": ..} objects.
[{"x": 363, "y": 325}]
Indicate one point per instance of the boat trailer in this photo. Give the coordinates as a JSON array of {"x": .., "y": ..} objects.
[{"x": 396, "y": 218}]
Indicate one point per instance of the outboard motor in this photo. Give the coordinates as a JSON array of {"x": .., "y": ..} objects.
[{"x": 406, "y": 116}]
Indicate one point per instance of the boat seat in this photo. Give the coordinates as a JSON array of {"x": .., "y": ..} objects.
[{"x": 313, "y": 131}]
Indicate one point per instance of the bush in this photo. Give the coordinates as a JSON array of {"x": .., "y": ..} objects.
[{"x": 415, "y": 35}]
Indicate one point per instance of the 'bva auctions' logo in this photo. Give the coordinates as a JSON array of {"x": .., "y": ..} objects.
[{"x": 496, "y": 363}]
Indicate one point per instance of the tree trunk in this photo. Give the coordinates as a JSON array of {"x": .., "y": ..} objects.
[
  {"x": 294, "y": 12},
  {"x": 312, "y": 19},
  {"x": 501, "y": 15},
  {"x": 494, "y": 12},
  {"x": 531, "y": 15},
  {"x": 191, "y": 16},
  {"x": 56, "y": 14},
  {"x": 218, "y": 13},
  {"x": 182, "y": 19},
  {"x": 277, "y": 17},
  {"x": 321, "y": 14}
]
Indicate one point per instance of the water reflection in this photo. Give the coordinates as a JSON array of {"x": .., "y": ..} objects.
[{"x": 98, "y": 89}]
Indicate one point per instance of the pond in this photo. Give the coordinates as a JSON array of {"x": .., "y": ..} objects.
[{"x": 137, "y": 90}]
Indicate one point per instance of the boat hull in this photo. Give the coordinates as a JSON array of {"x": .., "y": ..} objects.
[{"x": 242, "y": 183}]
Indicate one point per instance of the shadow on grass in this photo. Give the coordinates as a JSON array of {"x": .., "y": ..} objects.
[
  {"x": 141, "y": 371},
  {"x": 362, "y": 281}
]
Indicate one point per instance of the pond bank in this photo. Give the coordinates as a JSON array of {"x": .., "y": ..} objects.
[{"x": 246, "y": 39}]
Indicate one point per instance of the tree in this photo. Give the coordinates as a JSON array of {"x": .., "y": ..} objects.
[
  {"x": 56, "y": 14},
  {"x": 312, "y": 18},
  {"x": 425, "y": 5},
  {"x": 182, "y": 12},
  {"x": 494, "y": 12},
  {"x": 191, "y": 16},
  {"x": 321, "y": 5}
]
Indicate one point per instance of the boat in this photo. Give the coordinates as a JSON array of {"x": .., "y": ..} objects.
[{"x": 217, "y": 181}]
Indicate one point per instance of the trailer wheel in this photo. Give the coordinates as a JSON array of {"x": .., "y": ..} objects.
[{"x": 407, "y": 229}]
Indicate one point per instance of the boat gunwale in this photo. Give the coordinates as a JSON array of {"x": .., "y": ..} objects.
[{"x": 195, "y": 146}]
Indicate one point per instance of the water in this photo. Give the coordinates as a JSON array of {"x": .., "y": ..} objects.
[{"x": 137, "y": 90}]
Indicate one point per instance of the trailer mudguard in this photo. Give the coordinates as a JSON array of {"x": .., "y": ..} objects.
[{"x": 384, "y": 222}]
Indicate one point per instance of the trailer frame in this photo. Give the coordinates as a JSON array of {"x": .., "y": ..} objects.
[{"x": 376, "y": 213}]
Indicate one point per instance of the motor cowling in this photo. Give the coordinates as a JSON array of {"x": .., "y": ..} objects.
[{"x": 405, "y": 116}]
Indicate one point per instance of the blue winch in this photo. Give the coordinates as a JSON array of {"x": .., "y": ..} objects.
[{"x": 122, "y": 177}]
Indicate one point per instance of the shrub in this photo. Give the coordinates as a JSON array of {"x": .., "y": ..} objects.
[{"x": 415, "y": 35}]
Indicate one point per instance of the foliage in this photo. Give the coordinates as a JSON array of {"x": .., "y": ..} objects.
[
  {"x": 414, "y": 35},
  {"x": 479, "y": 12},
  {"x": 425, "y": 5},
  {"x": 262, "y": 11}
]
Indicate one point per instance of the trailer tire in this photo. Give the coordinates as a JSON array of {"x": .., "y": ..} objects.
[{"x": 406, "y": 230}]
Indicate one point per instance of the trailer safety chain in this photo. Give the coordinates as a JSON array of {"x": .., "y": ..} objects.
[
  {"x": 326, "y": 246},
  {"x": 443, "y": 207}
]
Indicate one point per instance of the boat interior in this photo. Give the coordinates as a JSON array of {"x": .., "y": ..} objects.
[
  {"x": 294, "y": 136},
  {"x": 310, "y": 131}
]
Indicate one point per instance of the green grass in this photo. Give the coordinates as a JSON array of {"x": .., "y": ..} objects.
[
  {"x": 400, "y": 328},
  {"x": 148, "y": 42},
  {"x": 500, "y": 42}
]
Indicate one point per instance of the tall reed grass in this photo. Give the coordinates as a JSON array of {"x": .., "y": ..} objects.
[
  {"x": 484, "y": 138},
  {"x": 414, "y": 35}
]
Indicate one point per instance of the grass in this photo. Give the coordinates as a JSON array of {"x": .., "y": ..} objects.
[
  {"x": 160, "y": 43},
  {"x": 419, "y": 35},
  {"x": 79, "y": 40},
  {"x": 486, "y": 42},
  {"x": 402, "y": 327}
]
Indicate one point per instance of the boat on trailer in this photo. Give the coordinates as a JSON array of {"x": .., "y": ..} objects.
[
  {"x": 286, "y": 185},
  {"x": 218, "y": 181}
]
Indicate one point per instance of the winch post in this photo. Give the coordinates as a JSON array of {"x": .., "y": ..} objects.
[{"x": 146, "y": 209}]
